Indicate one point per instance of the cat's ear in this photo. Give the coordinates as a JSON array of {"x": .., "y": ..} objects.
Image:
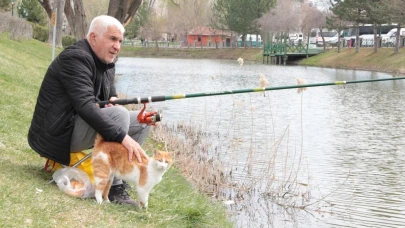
[{"x": 156, "y": 152}]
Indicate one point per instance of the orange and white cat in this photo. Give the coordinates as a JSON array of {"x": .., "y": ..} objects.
[{"x": 110, "y": 159}]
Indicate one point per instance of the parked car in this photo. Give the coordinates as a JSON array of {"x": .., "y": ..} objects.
[{"x": 333, "y": 40}]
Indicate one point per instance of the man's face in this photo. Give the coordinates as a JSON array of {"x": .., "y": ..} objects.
[{"x": 107, "y": 45}]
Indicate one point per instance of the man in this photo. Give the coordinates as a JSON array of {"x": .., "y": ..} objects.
[{"x": 67, "y": 118}]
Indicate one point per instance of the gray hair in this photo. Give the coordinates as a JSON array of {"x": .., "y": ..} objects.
[{"x": 100, "y": 24}]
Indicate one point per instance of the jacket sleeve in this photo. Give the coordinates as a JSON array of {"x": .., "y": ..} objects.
[{"x": 76, "y": 74}]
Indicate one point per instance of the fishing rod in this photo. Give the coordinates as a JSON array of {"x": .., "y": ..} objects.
[{"x": 144, "y": 100}]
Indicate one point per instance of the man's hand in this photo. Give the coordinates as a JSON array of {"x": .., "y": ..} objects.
[
  {"x": 112, "y": 99},
  {"x": 134, "y": 149}
]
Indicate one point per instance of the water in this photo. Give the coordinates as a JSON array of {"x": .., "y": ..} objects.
[{"x": 337, "y": 150}]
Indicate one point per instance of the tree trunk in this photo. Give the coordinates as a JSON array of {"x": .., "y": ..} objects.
[
  {"x": 76, "y": 17},
  {"x": 59, "y": 4},
  {"x": 357, "y": 39},
  {"x": 338, "y": 41},
  {"x": 397, "y": 39},
  {"x": 123, "y": 10},
  {"x": 323, "y": 39},
  {"x": 376, "y": 41},
  {"x": 59, "y": 21}
]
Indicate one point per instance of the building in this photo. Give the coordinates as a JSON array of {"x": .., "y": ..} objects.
[{"x": 207, "y": 36}]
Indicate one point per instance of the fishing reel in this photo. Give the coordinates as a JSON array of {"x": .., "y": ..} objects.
[{"x": 149, "y": 118}]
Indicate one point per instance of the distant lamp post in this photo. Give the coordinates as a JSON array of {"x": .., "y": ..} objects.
[{"x": 12, "y": 7}]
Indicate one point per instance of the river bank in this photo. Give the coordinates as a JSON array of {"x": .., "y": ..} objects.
[
  {"x": 27, "y": 198},
  {"x": 384, "y": 60}
]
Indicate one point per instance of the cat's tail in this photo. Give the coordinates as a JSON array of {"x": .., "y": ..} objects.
[{"x": 99, "y": 139}]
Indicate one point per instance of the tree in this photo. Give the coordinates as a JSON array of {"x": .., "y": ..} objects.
[
  {"x": 123, "y": 10},
  {"x": 395, "y": 13},
  {"x": 337, "y": 23},
  {"x": 352, "y": 10},
  {"x": 241, "y": 15},
  {"x": 154, "y": 27},
  {"x": 94, "y": 8},
  {"x": 315, "y": 18},
  {"x": 185, "y": 15},
  {"x": 5, "y": 5},
  {"x": 141, "y": 18},
  {"x": 75, "y": 15},
  {"x": 32, "y": 11},
  {"x": 284, "y": 18}
]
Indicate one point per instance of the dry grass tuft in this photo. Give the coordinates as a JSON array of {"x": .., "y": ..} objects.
[{"x": 17, "y": 28}]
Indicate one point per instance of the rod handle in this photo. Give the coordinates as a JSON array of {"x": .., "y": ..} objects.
[{"x": 119, "y": 101}]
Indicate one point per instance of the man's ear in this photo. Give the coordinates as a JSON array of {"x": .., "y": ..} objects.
[{"x": 92, "y": 38}]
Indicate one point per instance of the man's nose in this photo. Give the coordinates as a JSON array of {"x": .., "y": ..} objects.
[{"x": 117, "y": 45}]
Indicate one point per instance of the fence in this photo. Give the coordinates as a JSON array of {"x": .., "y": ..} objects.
[
  {"x": 369, "y": 42},
  {"x": 183, "y": 44}
]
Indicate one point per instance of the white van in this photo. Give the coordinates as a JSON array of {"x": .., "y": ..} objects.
[
  {"x": 316, "y": 38},
  {"x": 390, "y": 38}
]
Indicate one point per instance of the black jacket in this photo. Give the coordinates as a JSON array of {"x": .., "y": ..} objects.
[{"x": 74, "y": 82}]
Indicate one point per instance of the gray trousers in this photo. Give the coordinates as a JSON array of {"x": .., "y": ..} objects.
[{"x": 83, "y": 136}]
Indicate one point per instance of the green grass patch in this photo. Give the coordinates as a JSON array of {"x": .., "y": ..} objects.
[
  {"x": 384, "y": 60},
  {"x": 248, "y": 54},
  {"x": 27, "y": 200}
]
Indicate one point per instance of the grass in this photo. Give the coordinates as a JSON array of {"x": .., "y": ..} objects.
[
  {"x": 385, "y": 60},
  {"x": 248, "y": 54},
  {"x": 27, "y": 199}
]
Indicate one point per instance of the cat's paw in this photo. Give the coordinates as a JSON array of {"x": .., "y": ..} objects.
[
  {"x": 99, "y": 200},
  {"x": 142, "y": 205}
]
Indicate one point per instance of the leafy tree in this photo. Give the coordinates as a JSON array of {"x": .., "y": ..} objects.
[
  {"x": 396, "y": 14},
  {"x": 352, "y": 10},
  {"x": 141, "y": 18},
  {"x": 337, "y": 23},
  {"x": 241, "y": 15},
  {"x": 32, "y": 11},
  {"x": 5, "y": 5}
]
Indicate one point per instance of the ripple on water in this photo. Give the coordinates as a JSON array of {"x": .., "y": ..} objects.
[{"x": 348, "y": 140}]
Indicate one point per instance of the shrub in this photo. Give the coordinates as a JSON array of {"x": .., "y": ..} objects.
[
  {"x": 68, "y": 40},
  {"x": 17, "y": 28},
  {"x": 40, "y": 33}
]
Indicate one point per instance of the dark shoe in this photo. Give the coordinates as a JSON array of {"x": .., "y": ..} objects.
[
  {"x": 126, "y": 185},
  {"x": 118, "y": 194}
]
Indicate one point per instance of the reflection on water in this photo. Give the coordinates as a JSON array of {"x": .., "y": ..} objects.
[{"x": 343, "y": 146}]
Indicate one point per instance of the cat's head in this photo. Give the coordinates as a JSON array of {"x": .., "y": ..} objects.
[{"x": 163, "y": 160}]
